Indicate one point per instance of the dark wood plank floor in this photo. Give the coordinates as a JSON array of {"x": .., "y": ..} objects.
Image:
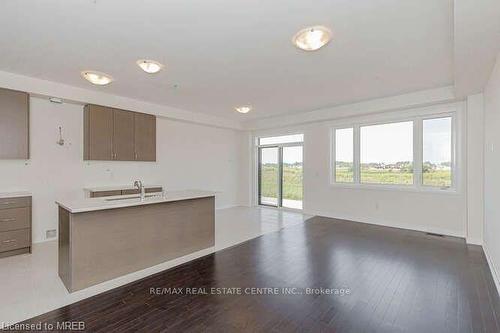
[{"x": 400, "y": 281}]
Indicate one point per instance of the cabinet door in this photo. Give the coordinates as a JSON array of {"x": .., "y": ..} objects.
[
  {"x": 98, "y": 133},
  {"x": 123, "y": 135},
  {"x": 145, "y": 137},
  {"x": 14, "y": 124}
]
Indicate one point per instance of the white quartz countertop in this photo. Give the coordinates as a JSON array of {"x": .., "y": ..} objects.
[
  {"x": 81, "y": 205},
  {"x": 16, "y": 194},
  {"x": 116, "y": 187}
]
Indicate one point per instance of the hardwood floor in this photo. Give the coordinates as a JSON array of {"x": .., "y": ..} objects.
[{"x": 399, "y": 281}]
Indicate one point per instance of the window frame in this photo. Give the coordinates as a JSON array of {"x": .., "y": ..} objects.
[{"x": 417, "y": 185}]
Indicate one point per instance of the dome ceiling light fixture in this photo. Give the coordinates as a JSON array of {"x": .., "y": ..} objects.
[
  {"x": 149, "y": 66},
  {"x": 312, "y": 38},
  {"x": 243, "y": 108},
  {"x": 97, "y": 78}
]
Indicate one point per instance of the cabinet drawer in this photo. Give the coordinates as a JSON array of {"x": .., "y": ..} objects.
[
  {"x": 14, "y": 218},
  {"x": 125, "y": 192},
  {"x": 12, "y": 240},
  {"x": 148, "y": 190},
  {"x": 101, "y": 194},
  {"x": 15, "y": 202},
  {"x": 154, "y": 189}
]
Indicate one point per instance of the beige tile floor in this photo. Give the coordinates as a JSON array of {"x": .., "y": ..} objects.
[{"x": 29, "y": 284}]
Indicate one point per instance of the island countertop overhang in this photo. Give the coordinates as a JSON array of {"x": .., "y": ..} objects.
[{"x": 82, "y": 205}]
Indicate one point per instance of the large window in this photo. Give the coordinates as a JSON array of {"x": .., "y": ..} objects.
[
  {"x": 387, "y": 153},
  {"x": 437, "y": 151},
  {"x": 416, "y": 152}
]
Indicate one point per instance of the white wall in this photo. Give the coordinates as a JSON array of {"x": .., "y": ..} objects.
[
  {"x": 443, "y": 213},
  {"x": 188, "y": 156},
  {"x": 475, "y": 168},
  {"x": 491, "y": 174}
]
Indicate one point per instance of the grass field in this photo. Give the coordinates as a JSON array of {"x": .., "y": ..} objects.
[
  {"x": 438, "y": 178},
  {"x": 292, "y": 181}
]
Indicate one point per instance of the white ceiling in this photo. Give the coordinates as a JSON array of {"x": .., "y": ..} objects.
[
  {"x": 477, "y": 42},
  {"x": 223, "y": 53}
]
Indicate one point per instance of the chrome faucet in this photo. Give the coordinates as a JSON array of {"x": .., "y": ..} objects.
[{"x": 141, "y": 188}]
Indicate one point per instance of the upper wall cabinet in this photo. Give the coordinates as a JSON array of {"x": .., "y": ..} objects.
[
  {"x": 98, "y": 133},
  {"x": 118, "y": 135},
  {"x": 123, "y": 136},
  {"x": 14, "y": 125},
  {"x": 145, "y": 137}
]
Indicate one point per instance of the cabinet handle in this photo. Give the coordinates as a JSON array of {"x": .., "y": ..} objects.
[
  {"x": 8, "y": 241},
  {"x": 7, "y": 202},
  {"x": 8, "y": 220},
  {"x": 135, "y": 154}
]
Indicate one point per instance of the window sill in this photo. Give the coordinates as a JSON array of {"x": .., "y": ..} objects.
[{"x": 395, "y": 188}]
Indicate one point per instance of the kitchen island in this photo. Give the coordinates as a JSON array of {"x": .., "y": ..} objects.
[{"x": 104, "y": 238}]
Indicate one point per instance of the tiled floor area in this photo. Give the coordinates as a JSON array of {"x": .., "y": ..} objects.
[{"x": 29, "y": 284}]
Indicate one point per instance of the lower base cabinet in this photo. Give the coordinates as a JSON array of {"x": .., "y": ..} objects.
[{"x": 15, "y": 226}]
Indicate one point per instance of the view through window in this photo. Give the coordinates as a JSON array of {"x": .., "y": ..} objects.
[
  {"x": 344, "y": 152},
  {"x": 387, "y": 153},
  {"x": 437, "y": 148},
  {"x": 384, "y": 153}
]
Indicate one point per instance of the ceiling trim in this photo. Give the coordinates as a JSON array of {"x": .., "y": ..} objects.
[
  {"x": 44, "y": 88},
  {"x": 399, "y": 102}
]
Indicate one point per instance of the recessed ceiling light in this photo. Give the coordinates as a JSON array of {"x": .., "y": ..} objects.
[
  {"x": 312, "y": 38},
  {"x": 243, "y": 108},
  {"x": 98, "y": 78},
  {"x": 149, "y": 66}
]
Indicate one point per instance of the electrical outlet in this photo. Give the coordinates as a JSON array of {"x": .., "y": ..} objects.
[{"x": 52, "y": 233}]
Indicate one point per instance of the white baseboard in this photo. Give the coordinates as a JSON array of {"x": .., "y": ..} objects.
[
  {"x": 385, "y": 223},
  {"x": 494, "y": 271},
  {"x": 474, "y": 241}
]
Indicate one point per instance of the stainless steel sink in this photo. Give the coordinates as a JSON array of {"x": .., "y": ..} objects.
[{"x": 133, "y": 198}]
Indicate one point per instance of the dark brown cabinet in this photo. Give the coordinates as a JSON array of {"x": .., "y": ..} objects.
[
  {"x": 14, "y": 124},
  {"x": 114, "y": 192},
  {"x": 145, "y": 137},
  {"x": 123, "y": 135},
  {"x": 119, "y": 135},
  {"x": 15, "y": 226},
  {"x": 98, "y": 133}
]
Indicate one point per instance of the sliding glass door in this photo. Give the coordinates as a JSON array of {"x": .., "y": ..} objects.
[
  {"x": 269, "y": 176},
  {"x": 292, "y": 179},
  {"x": 280, "y": 174}
]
